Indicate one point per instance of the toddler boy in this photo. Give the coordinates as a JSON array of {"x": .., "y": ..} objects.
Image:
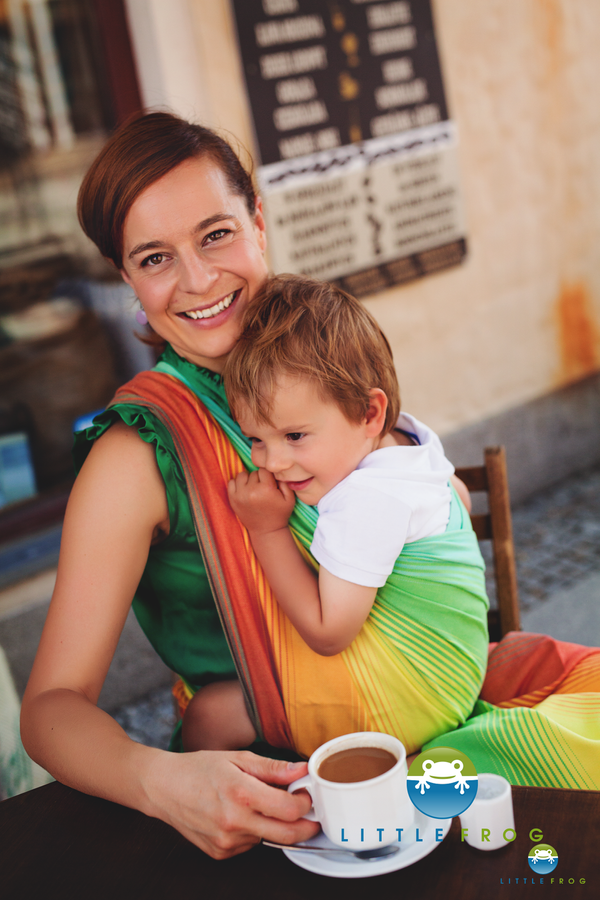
[{"x": 312, "y": 383}]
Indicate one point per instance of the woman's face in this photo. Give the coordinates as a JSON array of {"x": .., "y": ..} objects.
[{"x": 194, "y": 257}]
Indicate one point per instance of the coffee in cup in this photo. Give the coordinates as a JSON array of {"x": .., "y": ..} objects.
[
  {"x": 356, "y": 764},
  {"x": 357, "y": 783}
]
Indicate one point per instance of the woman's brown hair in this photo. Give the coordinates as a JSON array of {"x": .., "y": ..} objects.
[
  {"x": 312, "y": 330},
  {"x": 140, "y": 152}
]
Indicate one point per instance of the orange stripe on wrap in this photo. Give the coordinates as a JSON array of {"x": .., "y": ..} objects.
[
  {"x": 524, "y": 669},
  {"x": 209, "y": 461}
]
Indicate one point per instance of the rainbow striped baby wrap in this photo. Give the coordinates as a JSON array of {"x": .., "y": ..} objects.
[{"x": 417, "y": 666}]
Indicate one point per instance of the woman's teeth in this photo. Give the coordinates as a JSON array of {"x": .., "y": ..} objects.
[{"x": 213, "y": 310}]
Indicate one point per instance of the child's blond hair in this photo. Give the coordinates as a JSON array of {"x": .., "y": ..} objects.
[{"x": 311, "y": 329}]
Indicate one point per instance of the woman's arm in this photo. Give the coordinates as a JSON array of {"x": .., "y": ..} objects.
[
  {"x": 114, "y": 507},
  {"x": 329, "y": 612},
  {"x": 220, "y": 801}
]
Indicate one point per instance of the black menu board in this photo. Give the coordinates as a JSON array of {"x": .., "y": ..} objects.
[{"x": 358, "y": 158}]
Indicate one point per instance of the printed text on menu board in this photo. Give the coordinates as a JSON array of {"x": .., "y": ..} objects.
[{"x": 359, "y": 171}]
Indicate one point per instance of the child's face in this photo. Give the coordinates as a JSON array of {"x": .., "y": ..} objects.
[{"x": 310, "y": 444}]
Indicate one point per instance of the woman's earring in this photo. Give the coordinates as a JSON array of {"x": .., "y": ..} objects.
[{"x": 140, "y": 317}]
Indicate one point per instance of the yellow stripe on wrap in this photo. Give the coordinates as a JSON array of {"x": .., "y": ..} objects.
[{"x": 400, "y": 700}]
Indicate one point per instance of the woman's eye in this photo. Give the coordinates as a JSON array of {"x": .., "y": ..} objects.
[
  {"x": 154, "y": 260},
  {"x": 218, "y": 236},
  {"x": 294, "y": 436}
]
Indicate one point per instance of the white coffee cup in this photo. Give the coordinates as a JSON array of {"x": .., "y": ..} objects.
[
  {"x": 489, "y": 822},
  {"x": 360, "y": 815}
]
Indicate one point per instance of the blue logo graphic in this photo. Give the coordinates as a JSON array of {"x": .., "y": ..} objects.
[
  {"x": 543, "y": 858},
  {"x": 442, "y": 782}
]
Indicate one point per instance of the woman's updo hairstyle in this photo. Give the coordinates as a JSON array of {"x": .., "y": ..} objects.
[{"x": 140, "y": 152}]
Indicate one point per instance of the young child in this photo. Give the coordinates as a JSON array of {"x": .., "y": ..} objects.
[{"x": 312, "y": 383}]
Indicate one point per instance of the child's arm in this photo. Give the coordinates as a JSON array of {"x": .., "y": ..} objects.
[
  {"x": 328, "y": 613},
  {"x": 462, "y": 491}
]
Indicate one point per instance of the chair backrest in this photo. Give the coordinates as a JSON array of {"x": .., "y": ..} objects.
[{"x": 496, "y": 526}]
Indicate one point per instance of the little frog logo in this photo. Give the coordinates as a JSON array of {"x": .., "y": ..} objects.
[
  {"x": 442, "y": 782},
  {"x": 543, "y": 858}
]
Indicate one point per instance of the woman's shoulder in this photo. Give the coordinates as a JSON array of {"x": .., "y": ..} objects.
[
  {"x": 135, "y": 421},
  {"x": 133, "y": 437},
  {"x": 120, "y": 480}
]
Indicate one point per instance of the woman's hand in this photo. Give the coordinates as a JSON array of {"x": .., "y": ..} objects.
[
  {"x": 261, "y": 503},
  {"x": 224, "y": 801}
]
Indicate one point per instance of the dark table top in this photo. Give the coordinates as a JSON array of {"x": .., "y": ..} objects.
[{"x": 57, "y": 842}]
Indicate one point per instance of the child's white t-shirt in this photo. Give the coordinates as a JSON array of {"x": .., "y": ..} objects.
[{"x": 395, "y": 496}]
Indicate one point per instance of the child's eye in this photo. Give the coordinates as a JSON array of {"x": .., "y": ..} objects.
[
  {"x": 254, "y": 441},
  {"x": 295, "y": 435}
]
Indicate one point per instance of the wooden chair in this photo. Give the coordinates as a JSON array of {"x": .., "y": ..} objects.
[{"x": 496, "y": 526}]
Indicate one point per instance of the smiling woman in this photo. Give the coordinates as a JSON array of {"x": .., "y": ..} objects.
[
  {"x": 172, "y": 207},
  {"x": 194, "y": 256}
]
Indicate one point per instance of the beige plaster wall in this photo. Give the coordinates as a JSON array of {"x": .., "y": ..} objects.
[{"x": 522, "y": 315}]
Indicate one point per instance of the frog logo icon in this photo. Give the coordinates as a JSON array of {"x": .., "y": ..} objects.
[
  {"x": 442, "y": 782},
  {"x": 543, "y": 858}
]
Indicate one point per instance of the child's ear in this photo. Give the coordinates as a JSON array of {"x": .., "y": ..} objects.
[{"x": 375, "y": 418}]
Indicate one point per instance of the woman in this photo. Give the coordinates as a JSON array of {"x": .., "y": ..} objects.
[{"x": 172, "y": 207}]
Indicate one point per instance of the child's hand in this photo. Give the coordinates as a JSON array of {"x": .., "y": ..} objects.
[{"x": 262, "y": 503}]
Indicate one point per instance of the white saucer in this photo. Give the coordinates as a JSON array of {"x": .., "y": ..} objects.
[{"x": 338, "y": 864}]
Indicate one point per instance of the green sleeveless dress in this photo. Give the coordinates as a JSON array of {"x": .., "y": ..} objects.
[{"x": 173, "y": 602}]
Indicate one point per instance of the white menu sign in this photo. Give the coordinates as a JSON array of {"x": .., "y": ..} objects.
[{"x": 359, "y": 166}]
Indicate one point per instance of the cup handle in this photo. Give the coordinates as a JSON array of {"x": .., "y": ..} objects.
[{"x": 304, "y": 782}]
